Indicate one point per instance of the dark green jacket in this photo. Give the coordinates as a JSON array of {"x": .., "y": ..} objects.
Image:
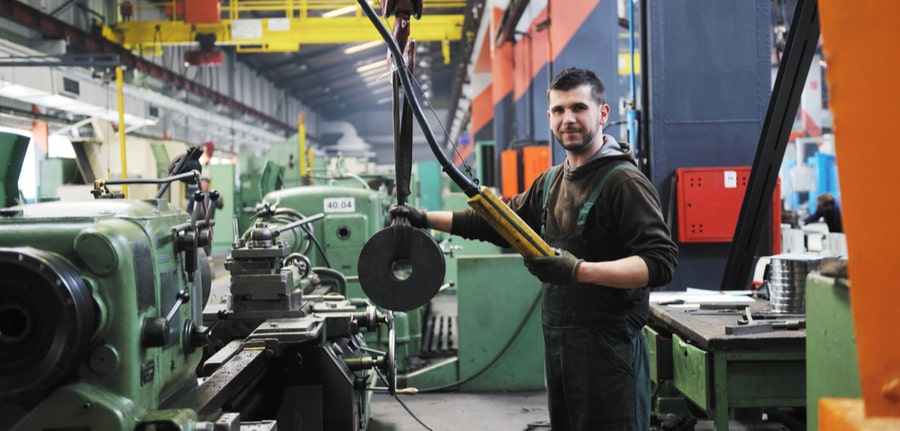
[{"x": 626, "y": 220}]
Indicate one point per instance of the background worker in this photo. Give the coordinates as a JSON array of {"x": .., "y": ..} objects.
[
  {"x": 604, "y": 218},
  {"x": 828, "y": 209}
]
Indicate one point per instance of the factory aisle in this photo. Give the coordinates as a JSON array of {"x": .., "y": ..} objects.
[{"x": 507, "y": 411}]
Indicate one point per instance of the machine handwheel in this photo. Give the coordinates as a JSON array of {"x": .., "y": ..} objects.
[
  {"x": 47, "y": 317},
  {"x": 301, "y": 262},
  {"x": 390, "y": 357}
]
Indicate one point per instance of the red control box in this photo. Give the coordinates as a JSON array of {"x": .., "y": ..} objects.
[{"x": 709, "y": 203}]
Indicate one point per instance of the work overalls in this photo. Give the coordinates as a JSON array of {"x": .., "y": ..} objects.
[{"x": 597, "y": 364}]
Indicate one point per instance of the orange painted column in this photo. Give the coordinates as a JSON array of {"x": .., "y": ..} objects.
[
  {"x": 862, "y": 76},
  {"x": 501, "y": 92},
  {"x": 501, "y": 66}
]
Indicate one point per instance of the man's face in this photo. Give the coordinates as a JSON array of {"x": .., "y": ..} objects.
[
  {"x": 575, "y": 118},
  {"x": 204, "y": 186}
]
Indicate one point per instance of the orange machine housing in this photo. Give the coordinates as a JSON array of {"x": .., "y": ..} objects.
[
  {"x": 864, "y": 103},
  {"x": 535, "y": 160},
  {"x": 521, "y": 166},
  {"x": 509, "y": 168}
]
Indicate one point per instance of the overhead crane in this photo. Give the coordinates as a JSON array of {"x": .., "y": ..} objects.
[{"x": 255, "y": 26}]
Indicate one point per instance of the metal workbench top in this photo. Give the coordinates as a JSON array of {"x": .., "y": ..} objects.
[{"x": 706, "y": 328}]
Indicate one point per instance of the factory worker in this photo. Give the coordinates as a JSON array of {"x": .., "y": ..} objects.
[{"x": 603, "y": 217}]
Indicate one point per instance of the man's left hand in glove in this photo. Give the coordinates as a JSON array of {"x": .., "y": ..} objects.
[{"x": 561, "y": 268}]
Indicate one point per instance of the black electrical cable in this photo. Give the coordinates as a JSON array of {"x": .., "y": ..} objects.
[
  {"x": 466, "y": 184},
  {"x": 519, "y": 329},
  {"x": 405, "y": 407},
  {"x": 312, "y": 237},
  {"x": 309, "y": 233}
]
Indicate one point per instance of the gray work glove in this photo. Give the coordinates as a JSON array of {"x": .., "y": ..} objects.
[
  {"x": 561, "y": 268},
  {"x": 416, "y": 216}
]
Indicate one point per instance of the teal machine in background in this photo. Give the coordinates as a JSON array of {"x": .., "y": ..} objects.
[
  {"x": 222, "y": 180},
  {"x": 12, "y": 154},
  {"x": 55, "y": 172}
]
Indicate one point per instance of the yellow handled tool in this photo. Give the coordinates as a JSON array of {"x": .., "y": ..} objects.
[{"x": 508, "y": 224}]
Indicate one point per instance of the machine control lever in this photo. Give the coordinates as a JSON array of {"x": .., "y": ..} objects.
[{"x": 182, "y": 297}]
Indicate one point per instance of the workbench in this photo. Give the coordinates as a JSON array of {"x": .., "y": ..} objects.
[{"x": 720, "y": 372}]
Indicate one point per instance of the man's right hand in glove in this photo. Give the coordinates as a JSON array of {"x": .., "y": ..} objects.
[{"x": 417, "y": 217}]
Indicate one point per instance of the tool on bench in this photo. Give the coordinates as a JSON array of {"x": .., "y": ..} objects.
[
  {"x": 759, "y": 327},
  {"x": 747, "y": 324}
]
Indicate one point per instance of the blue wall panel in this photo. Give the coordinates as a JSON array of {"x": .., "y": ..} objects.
[
  {"x": 504, "y": 123},
  {"x": 485, "y": 133},
  {"x": 709, "y": 77}
]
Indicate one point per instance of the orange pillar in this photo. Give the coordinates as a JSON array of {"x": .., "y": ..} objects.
[{"x": 859, "y": 41}]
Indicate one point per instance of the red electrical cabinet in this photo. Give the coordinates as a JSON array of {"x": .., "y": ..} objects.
[{"x": 709, "y": 203}]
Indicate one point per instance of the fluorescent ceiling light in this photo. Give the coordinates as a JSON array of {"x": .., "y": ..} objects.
[
  {"x": 381, "y": 90},
  {"x": 338, "y": 12},
  {"x": 363, "y": 46},
  {"x": 375, "y": 79},
  {"x": 373, "y": 72},
  {"x": 371, "y": 66}
]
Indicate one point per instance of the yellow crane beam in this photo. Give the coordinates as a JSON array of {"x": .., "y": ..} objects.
[{"x": 275, "y": 34}]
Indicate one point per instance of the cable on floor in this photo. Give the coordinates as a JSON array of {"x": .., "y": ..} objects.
[
  {"x": 537, "y": 300},
  {"x": 405, "y": 407}
]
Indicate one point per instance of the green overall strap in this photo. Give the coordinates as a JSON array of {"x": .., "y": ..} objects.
[
  {"x": 592, "y": 199},
  {"x": 547, "y": 180}
]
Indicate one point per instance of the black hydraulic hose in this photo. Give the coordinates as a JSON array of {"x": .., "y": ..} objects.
[
  {"x": 466, "y": 184},
  {"x": 306, "y": 229},
  {"x": 500, "y": 354},
  {"x": 165, "y": 181}
]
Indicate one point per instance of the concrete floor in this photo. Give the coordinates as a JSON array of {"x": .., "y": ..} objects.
[{"x": 511, "y": 411}]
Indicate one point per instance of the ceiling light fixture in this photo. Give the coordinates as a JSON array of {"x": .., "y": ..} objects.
[
  {"x": 363, "y": 46},
  {"x": 339, "y": 11},
  {"x": 366, "y": 67},
  {"x": 380, "y": 90},
  {"x": 376, "y": 79},
  {"x": 373, "y": 71}
]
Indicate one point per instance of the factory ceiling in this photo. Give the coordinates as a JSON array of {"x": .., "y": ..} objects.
[
  {"x": 332, "y": 60},
  {"x": 341, "y": 78}
]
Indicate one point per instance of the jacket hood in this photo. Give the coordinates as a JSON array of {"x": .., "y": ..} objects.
[{"x": 611, "y": 149}]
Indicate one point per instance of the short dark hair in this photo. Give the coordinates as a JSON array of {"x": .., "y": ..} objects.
[
  {"x": 826, "y": 200},
  {"x": 574, "y": 77}
]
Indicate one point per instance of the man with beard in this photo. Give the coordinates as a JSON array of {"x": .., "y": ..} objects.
[{"x": 603, "y": 218}]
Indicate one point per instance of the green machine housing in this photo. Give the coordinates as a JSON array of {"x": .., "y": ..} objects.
[
  {"x": 101, "y": 314},
  {"x": 352, "y": 212}
]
